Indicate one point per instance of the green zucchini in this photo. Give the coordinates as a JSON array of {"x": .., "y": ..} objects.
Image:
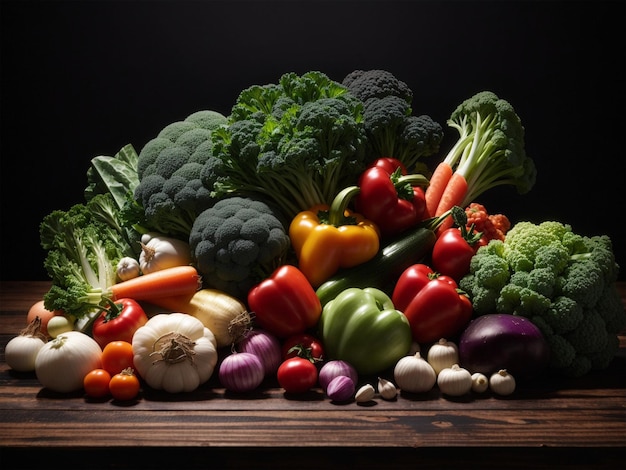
[{"x": 382, "y": 271}]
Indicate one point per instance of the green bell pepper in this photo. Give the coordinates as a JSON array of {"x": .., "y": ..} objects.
[{"x": 362, "y": 327}]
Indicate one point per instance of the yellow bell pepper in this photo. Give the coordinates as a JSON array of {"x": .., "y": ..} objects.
[{"x": 327, "y": 238}]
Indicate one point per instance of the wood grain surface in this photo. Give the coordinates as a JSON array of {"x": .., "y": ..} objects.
[{"x": 548, "y": 423}]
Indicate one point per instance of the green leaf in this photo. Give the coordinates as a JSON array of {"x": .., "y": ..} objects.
[{"x": 116, "y": 175}]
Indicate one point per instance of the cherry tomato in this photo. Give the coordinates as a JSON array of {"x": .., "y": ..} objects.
[
  {"x": 303, "y": 345},
  {"x": 125, "y": 385},
  {"x": 297, "y": 375},
  {"x": 119, "y": 322},
  {"x": 96, "y": 383},
  {"x": 117, "y": 356},
  {"x": 452, "y": 254}
]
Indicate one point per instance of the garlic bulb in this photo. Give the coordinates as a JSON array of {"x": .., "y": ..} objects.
[
  {"x": 414, "y": 374},
  {"x": 127, "y": 268},
  {"x": 502, "y": 383},
  {"x": 443, "y": 354},
  {"x": 386, "y": 389},
  {"x": 454, "y": 381},
  {"x": 480, "y": 382},
  {"x": 160, "y": 252}
]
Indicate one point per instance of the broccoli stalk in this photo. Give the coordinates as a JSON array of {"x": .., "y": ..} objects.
[{"x": 490, "y": 149}]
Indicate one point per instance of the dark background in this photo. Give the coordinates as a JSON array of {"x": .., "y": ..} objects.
[{"x": 81, "y": 79}]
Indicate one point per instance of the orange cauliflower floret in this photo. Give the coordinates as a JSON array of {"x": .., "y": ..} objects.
[{"x": 493, "y": 226}]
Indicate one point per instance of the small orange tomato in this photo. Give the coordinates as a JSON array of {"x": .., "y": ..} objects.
[
  {"x": 125, "y": 385},
  {"x": 117, "y": 356},
  {"x": 96, "y": 383}
]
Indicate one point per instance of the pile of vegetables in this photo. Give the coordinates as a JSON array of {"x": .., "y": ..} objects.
[{"x": 301, "y": 240}]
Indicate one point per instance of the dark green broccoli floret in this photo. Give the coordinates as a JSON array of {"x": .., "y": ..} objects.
[
  {"x": 610, "y": 308},
  {"x": 170, "y": 193},
  {"x": 583, "y": 282},
  {"x": 366, "y": 84},
  {"x": 540, "y": 280},
  {"x": 562, "y": 281},
  {"x": 518, "y": 300},
  {"x": 564, "y": 315},
  {"x": 392, "y": 129},
  {"x": 238, "y": 242},
  {"x": 296, "y": 143}
]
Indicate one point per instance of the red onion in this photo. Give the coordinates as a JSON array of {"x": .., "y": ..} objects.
[
  {"x": 336, "y": 368},
  {"x": 241, "y": 372},
  {"x": 265, "y": 346},
  {"x": 341, "y": 388}
]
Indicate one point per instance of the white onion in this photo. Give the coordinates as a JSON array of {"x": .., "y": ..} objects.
[
  {"x": 265, "y": 346},
  {"x": 241, "y": 372},
  {"x": 336, "y": 368},
  {"x": 61, "y": 364}
]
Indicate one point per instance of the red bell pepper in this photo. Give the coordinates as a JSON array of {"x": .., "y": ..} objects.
[
  {"x": 390, "y": 198},
  {"x": 285, "y": 304},
  {"x": 118, "y": 322},
  {"x": 432, "y": 303}
]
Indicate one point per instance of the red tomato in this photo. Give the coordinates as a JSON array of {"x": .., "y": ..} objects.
[
  {"x": 438, "y": 311},
  {"x": 119, "y": 322},
  {"x": 297, "y": 375},
  {"x": 303, "y": 345},
  {"x": 96, "y": 383},
  {"x": 125, "y": 385},
  {"x": 452, "y": 254},
  {"x": 117, "y": 356}
]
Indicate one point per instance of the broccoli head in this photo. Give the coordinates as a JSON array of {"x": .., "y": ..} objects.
[
  {"x": 295, "y": 143},
  {"x": 238, "y": 242},
  {"x": 392, "y": 129},
  {"x": 562, "y": 281},
  {"x": 170, "y": 193},
  {"x": 376, "y": 83}
]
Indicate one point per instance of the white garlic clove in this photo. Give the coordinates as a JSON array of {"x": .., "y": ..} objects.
[
  {"x": 365, "y": 393},
  {"x": 386, "y": 389}
]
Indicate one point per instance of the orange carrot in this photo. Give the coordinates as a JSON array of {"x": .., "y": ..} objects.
[
  {"x": 179, "y": 280},
  {"x": 437, "y": 185},
  {"x": 453, "y": 195}
]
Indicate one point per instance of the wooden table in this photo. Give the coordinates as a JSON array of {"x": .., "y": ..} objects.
[{"x": 569, "y": 423}]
